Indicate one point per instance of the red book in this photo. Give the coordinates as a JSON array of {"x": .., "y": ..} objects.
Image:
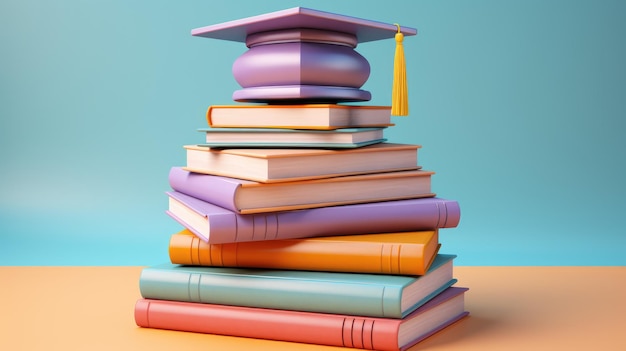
[{"x": 305, "y": 327}]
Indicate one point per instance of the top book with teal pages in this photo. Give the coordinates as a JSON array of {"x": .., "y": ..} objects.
[{"x": 344, "y": 138}]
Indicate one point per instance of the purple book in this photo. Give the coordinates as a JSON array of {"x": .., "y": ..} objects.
[
  {"x": 215, "y": 224},
  {"x": 246, "y": 197}
]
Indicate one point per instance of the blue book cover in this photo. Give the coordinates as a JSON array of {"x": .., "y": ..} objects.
[{"x": 391, "y": 296}]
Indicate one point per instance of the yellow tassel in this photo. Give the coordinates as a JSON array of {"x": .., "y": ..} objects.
[{"x": 399, "y": 94}]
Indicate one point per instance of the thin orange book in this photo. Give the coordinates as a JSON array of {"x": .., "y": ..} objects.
[
  {"x": 294, "y": 116},
  {"x": 406, "y": 253}
]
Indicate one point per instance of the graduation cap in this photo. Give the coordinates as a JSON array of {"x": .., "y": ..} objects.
[{"x": 302, "y": 55}]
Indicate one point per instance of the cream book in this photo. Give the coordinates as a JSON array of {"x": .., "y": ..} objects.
[{"x": 268, "y": 165}]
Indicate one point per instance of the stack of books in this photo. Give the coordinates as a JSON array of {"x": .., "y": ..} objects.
[{"x": 302, "y": 223}]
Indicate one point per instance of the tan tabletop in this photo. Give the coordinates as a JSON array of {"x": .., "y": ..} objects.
[{"x": 511, "y": 308}]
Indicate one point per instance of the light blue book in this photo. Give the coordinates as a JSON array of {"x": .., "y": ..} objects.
[
  {"x": 391, "y": 296},
  {"x": 292, "y": 138}
]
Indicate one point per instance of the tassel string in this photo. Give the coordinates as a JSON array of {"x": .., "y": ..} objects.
[{"x": 399, "y": 94}]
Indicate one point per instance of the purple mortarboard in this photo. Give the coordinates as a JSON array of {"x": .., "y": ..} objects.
[{"x": 303, "y": 55}]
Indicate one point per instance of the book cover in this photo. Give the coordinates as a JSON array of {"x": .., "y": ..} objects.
[
  {"x": 306, "y": 327},
  {"x": 244, "y": 196},
  {"x": 390, "y": 296},
  {"x": 406, "y": 253},
  {"x": 305, "y": 116},
  {"x": 268, "y": 165},
  {"x": 216, "y": 225},
  {"x": 291, "y": 138}
]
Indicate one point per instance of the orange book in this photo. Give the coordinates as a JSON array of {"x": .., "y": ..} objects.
[
  {"x": 407, "y": 253},
  {"x": 303, "y": 116}
]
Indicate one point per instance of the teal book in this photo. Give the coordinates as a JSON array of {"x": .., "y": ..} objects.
[
  {"x": 291, "y": 138},
  {"x": 389, "y": 296}
]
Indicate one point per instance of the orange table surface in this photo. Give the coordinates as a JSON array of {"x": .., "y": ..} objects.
[{"x": 511, "y": 308}]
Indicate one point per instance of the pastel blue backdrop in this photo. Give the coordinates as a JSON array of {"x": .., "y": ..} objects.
[{"x": 519, "y": 105}]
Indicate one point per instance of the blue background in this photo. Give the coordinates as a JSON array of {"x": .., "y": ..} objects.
[{"x": 519, "y": 106}]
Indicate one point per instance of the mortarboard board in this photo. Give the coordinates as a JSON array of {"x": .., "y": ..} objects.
[{"x": 300, "y": 54}]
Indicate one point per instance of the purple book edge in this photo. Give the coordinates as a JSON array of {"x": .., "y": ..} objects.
[
  {"x": 217, "y": 190},
  {"x": 377, "y": 217}
]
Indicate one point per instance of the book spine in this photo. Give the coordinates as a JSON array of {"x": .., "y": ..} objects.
[
  {"x": 333, "y": 256},
  {"x": 380, "y": 217},
  {"x": 288, "y": 294},
  {"x": 216, "y": 190},
  {"x": 294, "y": 326},
  {"x": 209, "y": 115},
  {"x": 377, "y": 217}
]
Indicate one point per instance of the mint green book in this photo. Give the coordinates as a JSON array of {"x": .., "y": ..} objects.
[
  {"x": 291, "y": 138},
  {"x": 374, "y": 295}
]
